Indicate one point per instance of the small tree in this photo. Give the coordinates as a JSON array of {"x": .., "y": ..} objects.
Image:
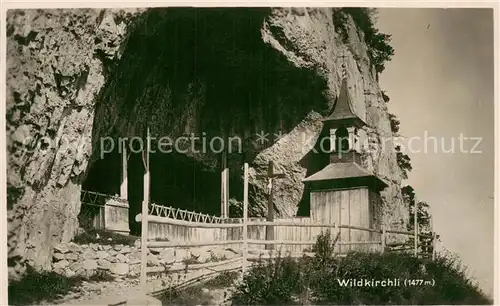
[
  {"x": 404, "y": 162},
  {"x": 394, "y": 123},
  {"x": 379, "y": 49},
  {"x": 385, "y": 97},
  {"x": 423, "y": 216}
]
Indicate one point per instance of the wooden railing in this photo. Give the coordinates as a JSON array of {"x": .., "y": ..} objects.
[
  {"x": 245, "y": 257},
  {"x": 245, "y": 241},
  {"x": 181, "y": 214},
  {"x": 93, "y": 208}
]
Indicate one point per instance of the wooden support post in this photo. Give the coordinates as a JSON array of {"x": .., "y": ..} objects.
[
  {"x": 336, "y": 229},
  {"x": 433, "y": 246},
  {"x": 351, "y": 138},
  {"x": 124, "y": 183},
  {"x": 383, "y": 239},
  {"x": 226, "y": 203},
  {"x": 224, "y": 186},
  {"x": 270, "y": 214},
  {"x": 433, "y": 240},
  {"x": 415, "y": 228},
  {"x": 245, "y": 220},
  {"x": 333, "y": 140},
  {"x": 144, "y": 221},
  {"x": 270, "y": 205}
]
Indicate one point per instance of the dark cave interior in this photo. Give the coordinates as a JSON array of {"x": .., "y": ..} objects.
[{"x": 216, "y": 60}]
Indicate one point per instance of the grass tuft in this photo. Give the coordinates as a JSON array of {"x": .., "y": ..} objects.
[
  {"x": 222, "y": 280},
  {"x": 189, "y": 296},
  {"x": 316, "y": 280},
  {"x": 36, "y": 287},
  {"x": 105, "y": 238}
]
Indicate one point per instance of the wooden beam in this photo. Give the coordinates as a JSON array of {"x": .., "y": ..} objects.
[
  {"x": 124, "y": 183},
  {"x": 245, "y": 219},
  {"x": 415, "y": 228},
  {"x": 308, "y": 242},
  {"x": 270, "y": 208},
  {"x": 224, "y": 186},
  {"x": 399, "y": 232},
  {"x": 260, "y": 257},
  {"x": 145, "y": 202},
  {"x": 171, "y": 244},
  {"x": 271, "y": 175},
  {"x": 164, "y": 220},
  {"x": 194, "y": 266},
  {"x": 287, "y": 242}
]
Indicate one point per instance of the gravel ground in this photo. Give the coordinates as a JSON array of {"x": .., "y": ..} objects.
[{"x": 90, "y": 291}]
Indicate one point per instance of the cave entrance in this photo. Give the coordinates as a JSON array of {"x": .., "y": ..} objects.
[
  {"x": 103, "y": 182},
  {"x": 184, "y": 183},
  {"x": 202, "y": 71},
  {"x": 176, "y": 180}
]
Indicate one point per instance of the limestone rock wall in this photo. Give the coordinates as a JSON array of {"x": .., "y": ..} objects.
[
  {"x": 58, "y": 62},
  {"x": 56, "y": 66},
  {"x": 307, "y": 38}
]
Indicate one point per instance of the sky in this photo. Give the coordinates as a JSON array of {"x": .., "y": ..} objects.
[{"x": 441, "y": 84}]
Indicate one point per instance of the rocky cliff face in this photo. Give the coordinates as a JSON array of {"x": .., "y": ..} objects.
[
  {"x": 55, "y": 69},
  {"x": 306, "y": 37},
  {"x": 75, "y": 76}
]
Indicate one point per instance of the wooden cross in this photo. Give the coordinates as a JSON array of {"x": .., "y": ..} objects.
[{"x": 271, "y": 175}]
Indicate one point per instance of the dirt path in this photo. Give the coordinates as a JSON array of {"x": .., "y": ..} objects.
[
  {"x": 212, "y": 291},
  {"x": 216, "y": 291}
]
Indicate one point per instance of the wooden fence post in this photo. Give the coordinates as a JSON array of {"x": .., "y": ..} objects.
[
  {"x": 415, "y": 228},
  {"x": 124, "y": 182},
  {"x": 224, "y": 186},
  {"x": 433, "y": 246},
  {"x": 245, "y": 220},
  {"x": 144, "y": 221},
  {"x": 337, "y": 231},
  {"x": 383, "y": 239}
]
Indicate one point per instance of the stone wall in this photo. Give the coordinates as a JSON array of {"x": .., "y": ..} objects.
[{"x": 121, "y": 261}]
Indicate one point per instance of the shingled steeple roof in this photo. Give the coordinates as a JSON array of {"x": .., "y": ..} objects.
[{"x": 343, "y": 112}]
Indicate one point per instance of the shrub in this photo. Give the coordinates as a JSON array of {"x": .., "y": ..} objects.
[
  {"x": 394, "y": 123},
  {"x": 324, "y": 246},
  {"x": 105, "y": 238},
  {"x": 379, "y": 50},
  {"x": 189, "y": 296},
  {"x": 404, "y": 162},
  {"x": 385, "y": 97},
  {"x": 451, "y": 285},
  {"x": 36, "y": 287},
  {"x": 224, "y": 279},
  {"x": 284, "y": 281},
  {"x": 276, "y": 282}
]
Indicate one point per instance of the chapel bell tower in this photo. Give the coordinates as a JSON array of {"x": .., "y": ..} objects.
[{"x": 343, "y": 192}]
